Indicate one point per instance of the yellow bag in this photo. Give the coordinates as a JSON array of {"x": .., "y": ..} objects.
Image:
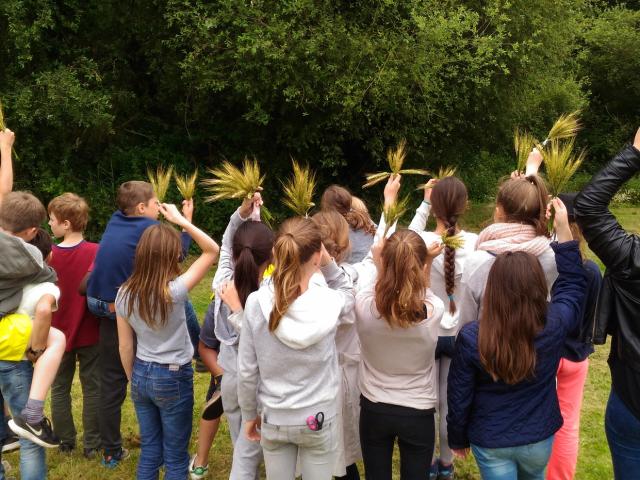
[{"x": 15, "y": 332}]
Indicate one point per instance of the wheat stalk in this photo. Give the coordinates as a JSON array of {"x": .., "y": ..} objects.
[
  {"x": 561, "y": 163},
  {"x": 565, "y": 127},
  {"x": 395, "y": 159},
  {"x": 229, "y": 182},
  {"x": 452, "y": 241},
  {"x": 187, "y": 185},
  {"x": 160, "y": 180},
  {"x": 523, "y": 144},
  {"x": 394, "y": 212},
  {"x": 299, "y": 190},
  {"x": 443, "y": 172}
]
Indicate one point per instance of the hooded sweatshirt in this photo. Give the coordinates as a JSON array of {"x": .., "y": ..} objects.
[
  {"x": 21, "y": 265},
  {"x": 295, "y": 368},
  {"x": 449, "y": 325}
]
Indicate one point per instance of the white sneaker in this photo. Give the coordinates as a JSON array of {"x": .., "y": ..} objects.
[{"x": 197, "y": 473}]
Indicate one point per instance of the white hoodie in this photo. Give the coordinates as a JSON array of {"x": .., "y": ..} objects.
[{"x": 295, "y": 368}]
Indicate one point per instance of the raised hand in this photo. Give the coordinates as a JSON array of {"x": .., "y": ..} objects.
[
  {"x": 249, "y": 205},
  {"x": 172, "y": 214},
  {"x": 560, "y": 220},
  {"x": 229, "y": 295},
  {"x": 391, "y": 190},
  {"x": 428, "y": 188},
  {"x": 533, "y": 162},
  {"x": 7, "y": 137}
]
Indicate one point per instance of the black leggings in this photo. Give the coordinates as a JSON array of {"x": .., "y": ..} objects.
[{"x": 380, "y": 425}]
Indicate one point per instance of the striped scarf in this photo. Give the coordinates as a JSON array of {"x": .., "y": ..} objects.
[{"x": 512, "y": 237}]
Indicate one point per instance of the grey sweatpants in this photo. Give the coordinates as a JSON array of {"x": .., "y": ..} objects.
[
  {"x": 316, "y": 451},
  {"x": 247, "y": 455}
]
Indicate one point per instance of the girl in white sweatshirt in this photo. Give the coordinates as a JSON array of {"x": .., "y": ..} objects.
[
  {"x": 288, "y": 354},
  {"x": 447, "y": 200}
]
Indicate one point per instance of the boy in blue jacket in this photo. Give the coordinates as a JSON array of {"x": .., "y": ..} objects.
[{"x": 137, "y": 210}]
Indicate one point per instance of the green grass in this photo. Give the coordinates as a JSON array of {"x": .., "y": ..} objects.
[{"x": 594, "y": 461}]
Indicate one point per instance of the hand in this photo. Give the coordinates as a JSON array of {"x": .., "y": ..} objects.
[
  {"x": 391, "y": 190},
  {"x": 33, "y": 354},
  {"x": 252, "y": 429},
  {"x": 434, "y": 249},
  {"x": 516, "y": 174},
  {"x": 171, "y": 213},
  {"x": 7, "y": 137},
  {"x": 376, "y": 252},
  {"x": 428, "y": 189},
  {"x": 636, "y": 141},
  {"x": 533, "y": 162},
  {"x": 229, "y": 295},
  {"x": 325, "y": 258},
  {"x": 250, "y": 204},
  {"x": 561, "y": 220},
  {"x": 187, "y": 209},
  {"x": 461, "y": 452}
]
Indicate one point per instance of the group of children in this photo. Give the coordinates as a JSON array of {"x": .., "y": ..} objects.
[{"x": 327, "y": 341}]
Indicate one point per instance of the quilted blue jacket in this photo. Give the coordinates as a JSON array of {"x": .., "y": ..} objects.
[{"x": 492, "y": 414}]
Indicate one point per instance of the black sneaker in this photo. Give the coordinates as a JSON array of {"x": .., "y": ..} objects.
[
  {"x": 66, "y": 448},
  {"x": 90, "y": 453},
  {"x": 213, "y": 408},
  {"x": 39, "y": 433},
  {"x": 11, "y": 443}
]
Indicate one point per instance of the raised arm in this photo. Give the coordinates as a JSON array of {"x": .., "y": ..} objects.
[
  {"x": 210, "y": 249},
  {"x": 6, "y": 166},
  {"x": 606, "y": 237},
  {"x": 419, "y": 222}
]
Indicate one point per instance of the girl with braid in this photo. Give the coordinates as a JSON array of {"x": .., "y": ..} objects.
[{"x": 447, "y": 200}]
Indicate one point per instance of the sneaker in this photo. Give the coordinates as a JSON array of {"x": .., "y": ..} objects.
[
  {"x": 197, "y": 473},
  {"x": 433, "y": 471},
  {"x": 445, "y": 472},
  {"x": 213, "y": 408},
  {"x": 11, "y": 443},
  {"x": 90, "y": 453},
  {"x": 112, "y": 461},
  {"x": 67, "y": 448},
  {"x": 39, "y": 433}
]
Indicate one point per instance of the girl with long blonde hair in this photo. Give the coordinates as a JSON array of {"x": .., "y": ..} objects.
[{"x": 151, "y": 305}]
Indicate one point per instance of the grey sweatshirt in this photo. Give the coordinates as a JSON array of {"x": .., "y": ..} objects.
[{"x": 295, "y": 368}]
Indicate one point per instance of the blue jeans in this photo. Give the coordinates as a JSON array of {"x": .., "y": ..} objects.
[
  {"x": 100, "y": 308},
  {"x": 623, "y": 436},
  {"x": 163, "y": 399},
  {"x": 15, "y": 382},
  {"x": 526, "y": 462}
]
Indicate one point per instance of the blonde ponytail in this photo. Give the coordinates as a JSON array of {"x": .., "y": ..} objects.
[{"x": 297, "y": 240}]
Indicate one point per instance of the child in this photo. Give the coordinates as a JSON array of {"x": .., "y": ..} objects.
[
  {"x": 447, "y": 199},
  {"x": 519, "y": 226},
  {"x": 574, "y": 365},
  {"x": 68, "y": 217},
  {"x": 617, "y": 309},
  {"x": 288, "y": 355},
  {"x": 246, "y": 252},
  {"x": 151, "y": 304},
  {"x": 502, "y": 383},
  {"x": 138, "y": 209},
  {"x": 362, "y": 228}
]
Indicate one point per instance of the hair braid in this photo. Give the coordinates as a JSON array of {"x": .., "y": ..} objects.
[{"x": 450, "y": 264}]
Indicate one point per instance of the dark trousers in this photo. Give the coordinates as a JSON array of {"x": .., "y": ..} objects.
[
  {"x": 380, "y": 425},
  {"x": 88, "y": 359}
]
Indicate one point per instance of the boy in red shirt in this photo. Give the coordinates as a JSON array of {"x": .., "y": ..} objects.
[{"x": 72, "y": 258}]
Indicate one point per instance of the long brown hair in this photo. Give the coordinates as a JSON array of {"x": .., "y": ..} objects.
[
  {"x": 513, "y": 313},
  {"x": 402, "y": 282},
  {"x": 334, "y": 230},
  {"x": 297, "y": 240},
  {"x": 524, "y": 200},
  {"x": 448, "y": 203},
  {"x": 252, "y": 247},
  {"x": 338, "y": 198},
  {"x": 157, "y": 262}
]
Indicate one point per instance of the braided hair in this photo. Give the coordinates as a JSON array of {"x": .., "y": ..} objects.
[{"x": 448, "y": 202}]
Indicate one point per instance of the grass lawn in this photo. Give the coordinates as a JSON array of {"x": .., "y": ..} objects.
[{"x": 594, "y": 461}]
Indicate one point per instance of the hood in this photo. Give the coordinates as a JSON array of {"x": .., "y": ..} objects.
[{"x": 311, "y": 317}]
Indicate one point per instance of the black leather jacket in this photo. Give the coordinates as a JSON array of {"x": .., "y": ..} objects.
[{"x": 618, "y": 310}]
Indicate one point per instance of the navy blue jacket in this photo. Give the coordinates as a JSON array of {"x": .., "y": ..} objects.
[
  {"x": 493, "y": 414},
  {"x": 117, "y": 250}
]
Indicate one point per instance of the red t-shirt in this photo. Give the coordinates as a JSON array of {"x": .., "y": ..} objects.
[{"x": 71, "y": 264}]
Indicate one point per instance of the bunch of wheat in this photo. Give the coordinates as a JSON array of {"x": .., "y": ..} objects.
[
  {"x": 229, "y": 182},
  {"x": 160, "y": 181},
  {"x": 299, "y": 190},
  {"x": 187, "y": 185},
  {"x": 395, "y": 158},
  {"x": 394, "y": 212}
]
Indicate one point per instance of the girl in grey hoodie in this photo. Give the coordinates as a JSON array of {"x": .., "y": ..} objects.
[{"x": 288, "y": 354}]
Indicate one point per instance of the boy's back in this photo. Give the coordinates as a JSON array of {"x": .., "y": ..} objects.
[{"x": 73, "y": 318}]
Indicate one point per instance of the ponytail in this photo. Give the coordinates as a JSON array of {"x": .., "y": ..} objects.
[
  {"x": 338, "y": 198},
  {"x": 298, "y": 239},
  {"x": 449, "y": 201},
  {"x": 524, "y": 200},
  {"x": 402, "y": 283},
  {"x": 252, "y": 248}
]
